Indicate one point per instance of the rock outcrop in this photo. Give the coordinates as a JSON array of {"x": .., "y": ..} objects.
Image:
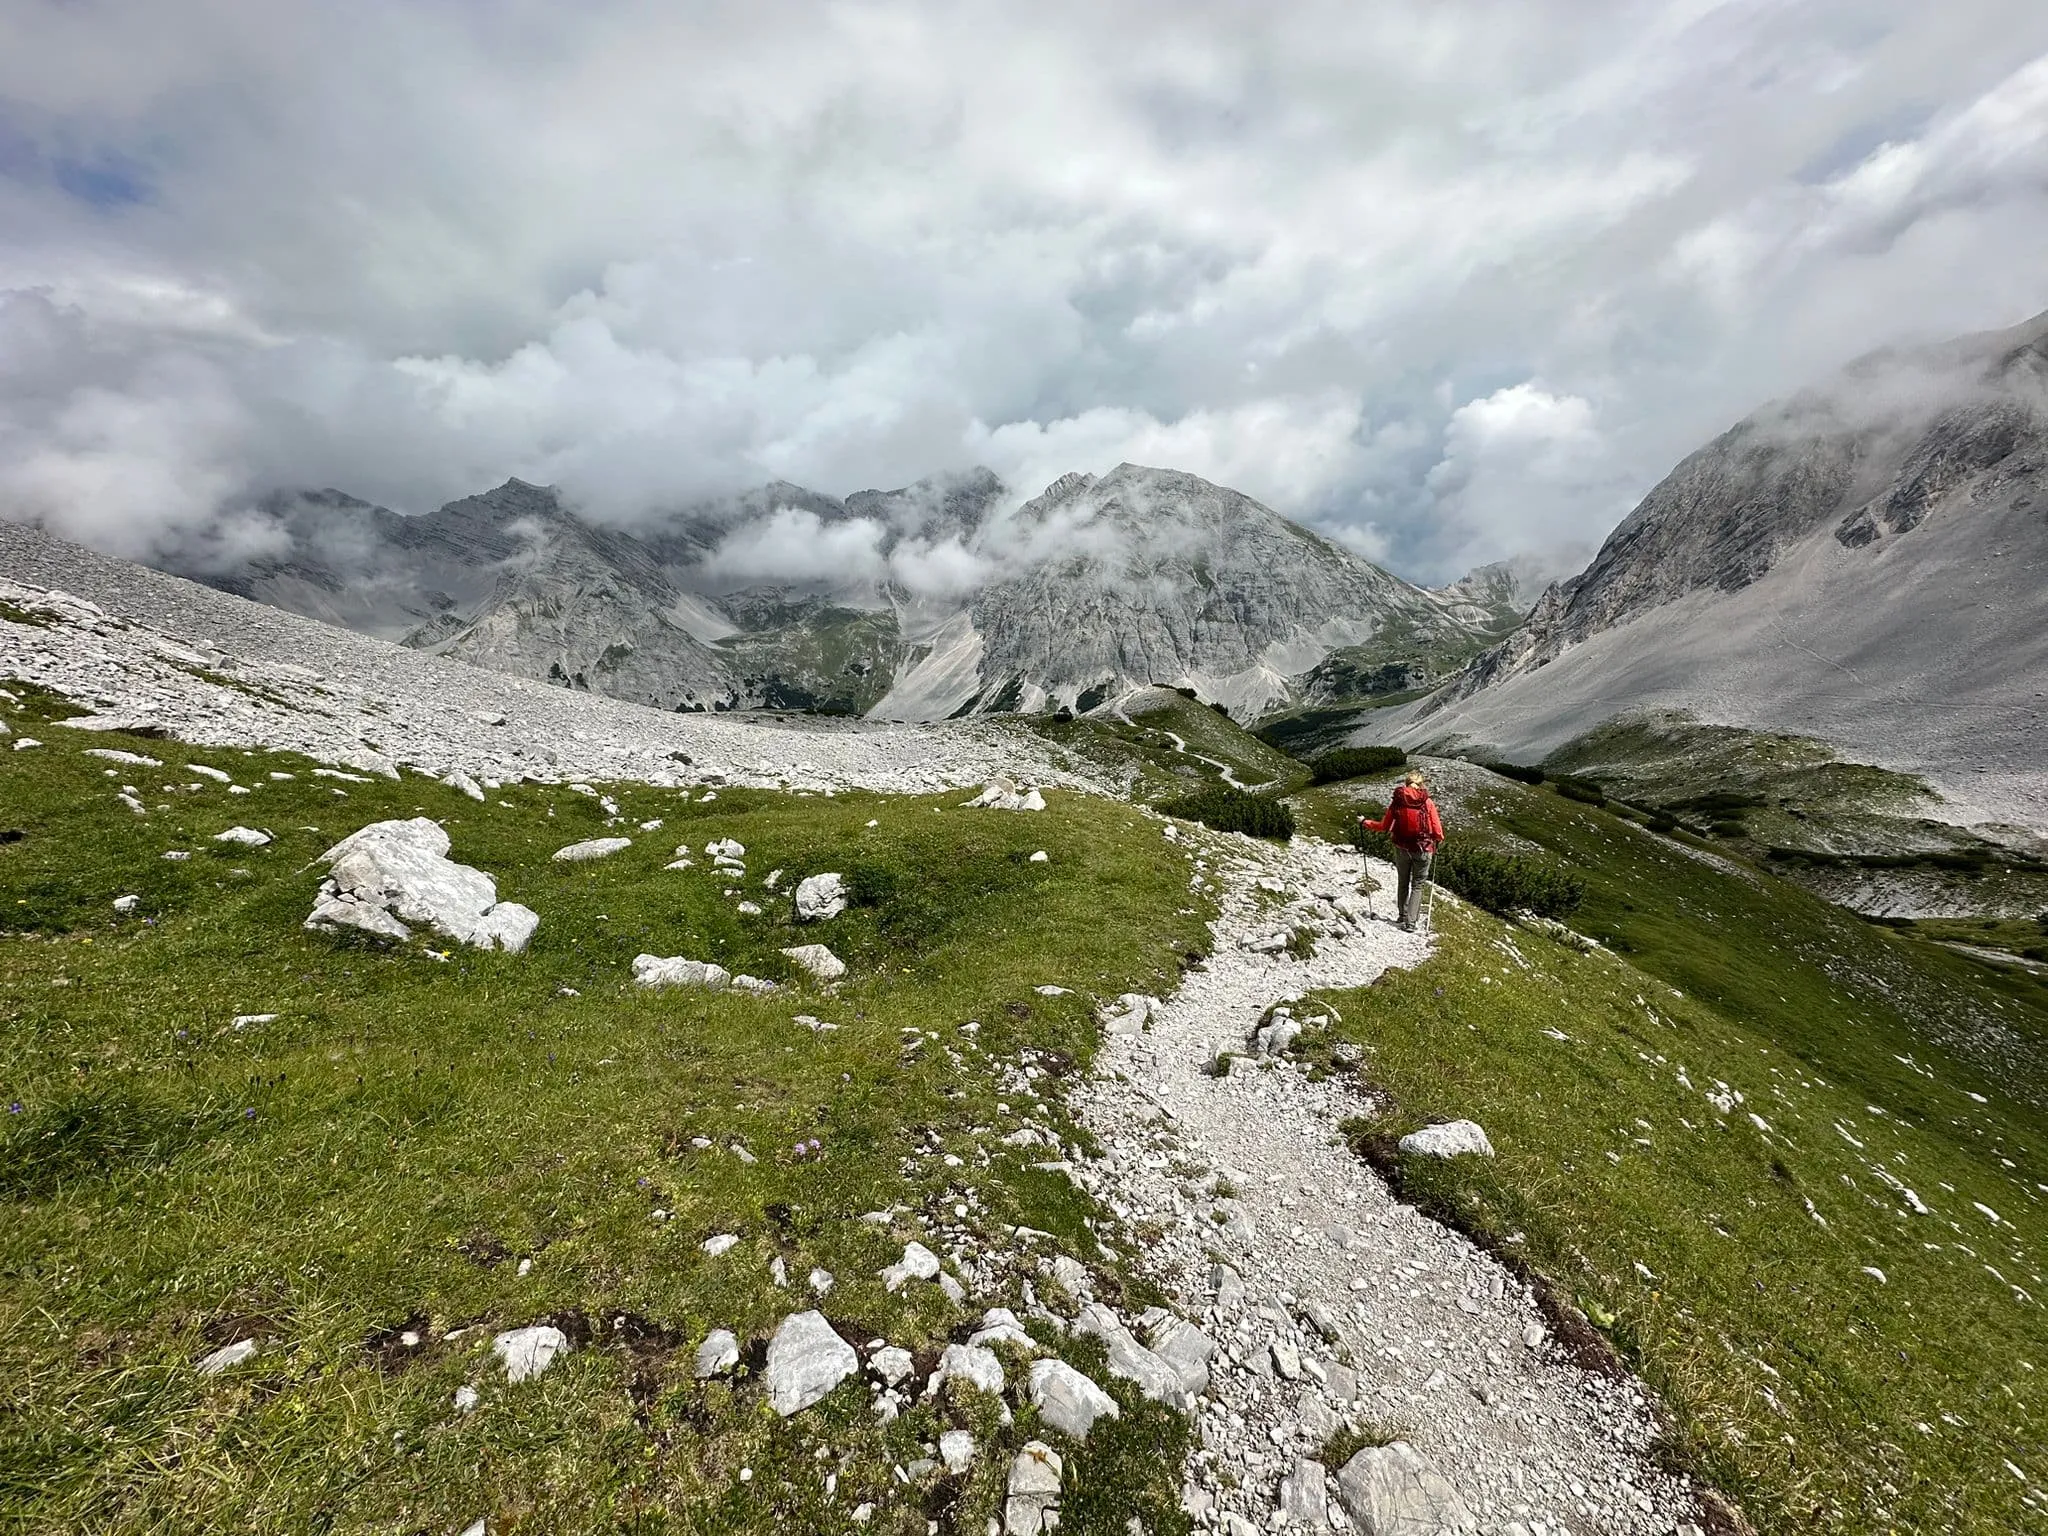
[{"x": 393, "y": 875}]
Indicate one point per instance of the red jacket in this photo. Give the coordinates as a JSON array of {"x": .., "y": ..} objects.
[{"x": 1411, "y": 820}]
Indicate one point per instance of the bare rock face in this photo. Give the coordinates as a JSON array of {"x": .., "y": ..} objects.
[
  {"x": 1394, "y": 1490},
  {"x": 392, "y": 874}
]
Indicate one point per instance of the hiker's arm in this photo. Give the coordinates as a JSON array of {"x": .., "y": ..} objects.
[{"x": 1436, "y": 823}]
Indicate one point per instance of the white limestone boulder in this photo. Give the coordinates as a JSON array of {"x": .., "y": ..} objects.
[
  {"x": 675, "y": 971},
  {"x": 1032, "y": 1497},
  {"x": 822, "y": 964},
  {"x": 1131, "y": 1360},
  {"x": 390, "y": 876},
  {"x": 806, "y": 1360},
  {"x": 527, "y": 1352},
  {"x": 1394, "y": 1490},
  {"x": 820, "y": 897},
  {"x": 1068, "y": 1401},
  {"x": 1454, "y": 1138},
  {"x": 592, "y": 848}
]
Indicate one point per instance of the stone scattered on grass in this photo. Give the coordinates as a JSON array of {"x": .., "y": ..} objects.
[
  {"x": 721, "y": 1243},
  {"x": 918, "y": 1263},
  {"x": 748, "y": 909},
  {"x": 527, "y": 1352},
  {"x": 892, "y": 1363},
  {"x": 465, "y": 1399},
  {"x": 1003, "y": 794},
  {"x": 1068, "y": 1401},
  {"x": 1186, "y": 1349},
  {"x": 245, "y": 837},
  {"x": 719, "y": 1353},
  {"x": 999, "y": 1325},
  {"x": 592, "y": 848},
  {"x": 1133, "y": 1361},
  {"x": 1041, "y": 857},
  {"x": 818, "y": 960},
  {"x": 821, "y": 1282},
  {"x": 675, "y": 971},
  {"x": 1393, "y": 1488},
  {"x": 392, "y": 873},
  {"x": 977, "y": 1366},
  {"x": 757, "y": 985},
  {"x": 820, "y": 897},
  {"x": 462, "y": 783},
  {"x": 1455, "y": 1138},
  {"x": 1032, "y": 1496},
  {"x": 1129, "y": 1013},
  {"x": 806, "y": 1360},
  {"x": 126, "y": 904},
  {"x": 227, "y": 1357},
  {"x": 113, "y": 755},
  {"x": 956, "y": 1450},
  {"x": 724, "y": 848}
]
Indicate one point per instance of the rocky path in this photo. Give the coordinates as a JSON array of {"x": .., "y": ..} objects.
[{"x": 1338, "y": 1302}]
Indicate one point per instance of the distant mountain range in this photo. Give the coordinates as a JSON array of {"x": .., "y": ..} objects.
[
  {"x": 1865, "y": 563},
  {"x": 941, "y": 599}
]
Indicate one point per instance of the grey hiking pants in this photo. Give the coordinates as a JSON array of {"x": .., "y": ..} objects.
[{"x": 1413, "y": 868}]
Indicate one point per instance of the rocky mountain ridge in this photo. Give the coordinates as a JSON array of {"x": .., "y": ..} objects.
[
  {"x": 1866, "y": 563},
  {"x": 1074, "y": 597}
]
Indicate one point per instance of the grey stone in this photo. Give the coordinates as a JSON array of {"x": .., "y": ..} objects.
[
  {"x": 389, "y": 874},
  {"x": 1305, "y": 1493},
  {"x": 1129, "y": 1014},
  {"x": 527, "y": 1352},
  {"x": 918, "y": 1263},
  {"x": 1323, "y": 1320},
  {"x": 1068, "y": 1401},
  {"x": 820, "y": 897},
  {"x": 892, "y": 1364},
  {"x": 1133, "y": 1361},
  {"x": 806, "y": 1360},
  {"x": 999, "y": 1325},
  {"x": 1286, "y": 1360},
  {"x": 1394, "y": 1490},
  {"x": 249, "y": 837},
  {"x": 1071, "y": 1276},
  {"x": 675, "y": 971},
  {"x": 462, "y": 783},
  {"x": 976, "y": 1366},
  {"x": 818, "y": 960},
  {"x": 1454, "y": 1138},
  {"x": 1032, "y": 1495},
  {"x": 1186, "y": 1349},
  {"x": 956, "y": 1450},
  {"x": 719, "y": 1353},
  {"x": 227, "y": 1357},
  {"x": 593, "y": 848},
  {"x": 1229, "y": 1286}
]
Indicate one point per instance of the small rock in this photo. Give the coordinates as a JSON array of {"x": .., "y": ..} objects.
[
  {"x": 999, "y": 1325},
  {"x": 892, "y": 1363},
  {"x": 1129, "y": 1014},
  {"x": 1067, "y": 1400},
  {"x": 820, "y": 897},
  {"x": 956, "y": 1293},
  {"x": 758, "y": 985},
  {"x": 1305, "y": 1493},
  {"x": 464, "y": 784},
  {"x": 719, "y": 1353},
  {"x": 465, "y": 1399},
  {"x": 748, "y": 909},
  {"x": 1041, "y": 857},
  {"x": 1455, "y": 1138},
  {"x": 724, "y": 848},
  {"x": 818, "y": 960},
  {"x": 1229, "y": 1287},
  {"x": 593, "y": 848},
  {"x": 1031, "y": 1505},
  {"x": 806, "y": 1360},
  {"x": 1186, "y": 1349},
  {"x": 918, "y": 1263},
  {"x": 1071, "y": 1277},
  {"x": 978, "y": 1367},
  {"x": 722, "y": 1243},
  {"x": 821, "y": 1282},
  {"x": 226, "y": 1357},
  {"x": 1395, "y": 1489},
  {"x": 1286, "y": 1360},
  {"x": 126, "y": 904},
  {"x": 956, "y": 1450},
  {"x": 527, "y": 1352},
  {"x": 675, "y": 971},
  {"x": 246, "y": 837}
]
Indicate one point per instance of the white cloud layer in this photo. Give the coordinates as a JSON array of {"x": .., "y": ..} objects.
[{"x": 1449, "y": 282}]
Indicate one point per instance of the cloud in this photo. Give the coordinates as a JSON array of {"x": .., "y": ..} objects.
[{"x": 654, "y": 253}]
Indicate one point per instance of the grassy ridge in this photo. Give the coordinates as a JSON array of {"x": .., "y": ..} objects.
[
  {"x": 1728, "y": 1257},
  {"x": 384, "y": 1154}
]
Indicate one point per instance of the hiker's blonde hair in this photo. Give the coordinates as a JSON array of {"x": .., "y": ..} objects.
[{"x": 1414, "y": 776}]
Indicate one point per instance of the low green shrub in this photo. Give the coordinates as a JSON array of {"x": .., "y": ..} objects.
[
  {"x": 1501, "y": 883},
  {"x": 1516, "y": 772},
  {"x": 1232, "y": 810},
  {"x": 1585, "y": 791},
  {"x": 1356, "y": 763}
]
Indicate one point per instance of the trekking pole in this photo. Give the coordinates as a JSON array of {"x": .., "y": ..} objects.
[{"x": 1429, "y": 901}]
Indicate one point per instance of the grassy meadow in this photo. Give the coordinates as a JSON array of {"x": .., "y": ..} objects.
[{"x": 442, "y": 1142}]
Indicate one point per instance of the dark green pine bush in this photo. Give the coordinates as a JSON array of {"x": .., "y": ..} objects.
[
  {"x": 1504, "y": 884},
  {"x": 1356, "y": 763},
  {"x": 1232, "y": 810},
  {"x": 1516, "y": 772}
]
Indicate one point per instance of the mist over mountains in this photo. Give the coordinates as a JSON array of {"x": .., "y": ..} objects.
[{"x": 941, "y": 598}]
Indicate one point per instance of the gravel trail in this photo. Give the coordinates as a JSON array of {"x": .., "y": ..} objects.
[{"x": 1428, "y": 1334}]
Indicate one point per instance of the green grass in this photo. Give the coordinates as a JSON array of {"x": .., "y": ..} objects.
[
  {"x": 1143, "y": 750},
  {"x": 384, "y": 1153},
  {"x": 1798, "y": 1382}
]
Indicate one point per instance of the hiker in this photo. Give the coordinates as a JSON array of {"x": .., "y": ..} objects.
[{"x": 1417, "y": 830}]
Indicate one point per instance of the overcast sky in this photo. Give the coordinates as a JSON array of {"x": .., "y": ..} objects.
[{"x": 1450, "y": 281}]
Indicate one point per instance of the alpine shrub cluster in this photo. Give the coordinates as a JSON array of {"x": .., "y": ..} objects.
[
  {"x": 1232, "y": 810},
  {"x": 1356, "y": 763},
  {"x": 1585, "y": 791},
  {"x": 1515, "y": 771},
  {"x": 1504, "y": 884}
]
